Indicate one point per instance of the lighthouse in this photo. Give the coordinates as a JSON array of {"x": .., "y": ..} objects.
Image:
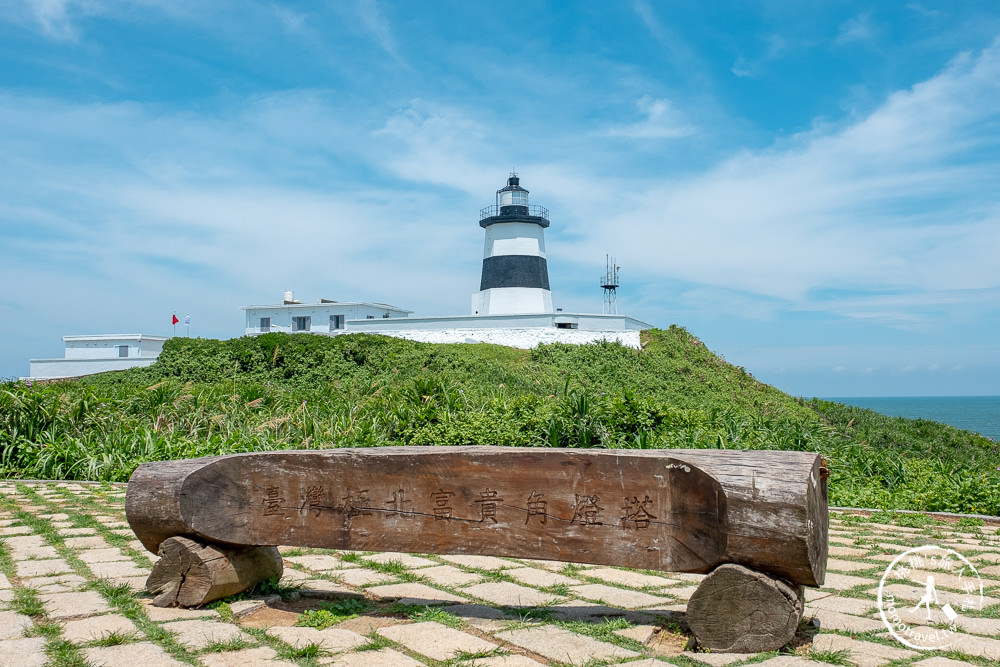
[{"x": 515, "y": 274}]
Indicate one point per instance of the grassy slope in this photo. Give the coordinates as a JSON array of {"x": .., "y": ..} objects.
[{"x": 278, "y": 391}]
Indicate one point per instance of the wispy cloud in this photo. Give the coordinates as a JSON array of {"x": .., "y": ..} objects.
[
  {"x": 775, "y": 47},
  {"x": 900, "y": 198},
  {"x": 660, "y": 121},
  {"x": 856, "y": 29},
  {"x": 55, "y": 17},
  {"x": 373, "y": 19}
]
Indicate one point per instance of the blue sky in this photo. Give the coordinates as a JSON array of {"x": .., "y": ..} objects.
[{"x": 811, "y": 188}]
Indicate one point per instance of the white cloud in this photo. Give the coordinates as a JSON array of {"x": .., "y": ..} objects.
[
  {"x": 661, "y": 121},
  {"x": 374, "y": 21},
  {"x": 857, "y": 29},
  {"x": 775, "y": 47},
  {"x": 904, "y": 198}
]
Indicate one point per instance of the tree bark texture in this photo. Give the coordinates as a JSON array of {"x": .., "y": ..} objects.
[
  {"x": 739, "y": 610},
  {"x": 669, "y": 510},
  {"x": 190, "y": 574}
]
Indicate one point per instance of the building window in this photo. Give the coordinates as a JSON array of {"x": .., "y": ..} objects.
[
  {"x": 566, "y": 325},
  {"x": 123, "y": 350},
  {"x": 265, "y": 324},
  {"x": 303, "y": 323},
  {"x": 336, "y": 322}
]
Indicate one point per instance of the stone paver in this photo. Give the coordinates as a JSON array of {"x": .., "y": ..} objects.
[
  {"x": 414, "y": 594},
  {"x": 104, "y": 555},
  {"x": 844, "y": 605},
  {"x": 199, "y": 634},
  {"x": 248, "y": 657},
  {"x": 540, "y": 578},
  {"x": 97, "y": 627},
  {"x": 481, "y": 562},
  {"x": 449, "y": 575},
  {"x": 64, "y": 606},
  {"x": 12, "y": 625},
  {"x": 844, "y": 581},
  {"x": 145, "y": 654},
  {"x": 862, "y": 654},
  {"x": 41, "y": 568},
  {"x": 717, "y": 659},
  {"x": 59, "y": 583},
  {"x": 630, "y": 578},
  {"x": 434, "y": 640},
  {"x": 852, "y": 566},
  {"x": 787, "y": 661},
  {"x": 323, "y": 588},
  {"x": 405, "y": 560},
  {"x": 117, "y": 570},
  {"x": 361, "y": 577},
  {"x": 23, "y": 652},
  {"x": 847, "y": 551},
  {"x": 510, "y": 595},
  {"x": 619, "y": 597},
  {"x": 385, "y": 657},
  {"x": 161, "y": 614},
  {"x": 332, "y": 639},
  {"x": 564, "y": 646},
  {"x": 914, "y": 593},
  {"x": 835, "y": 620},
  {"x": 321, "y": 563},
  {"x": 85, "y": 542},
  {"x": 940, "y": 662}
]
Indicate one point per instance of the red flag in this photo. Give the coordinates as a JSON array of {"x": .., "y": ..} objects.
[{"x": 175, "y": 319}]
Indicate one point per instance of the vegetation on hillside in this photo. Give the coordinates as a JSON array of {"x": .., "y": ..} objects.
[{"x": 280, "y": 391}]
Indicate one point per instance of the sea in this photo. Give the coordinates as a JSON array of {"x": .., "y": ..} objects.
[{"x": 980, "y": 414}]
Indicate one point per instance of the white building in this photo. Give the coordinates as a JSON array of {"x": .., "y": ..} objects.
[
  {"x": 86, "y": 355},
  {"x": 323, "y": 317}
]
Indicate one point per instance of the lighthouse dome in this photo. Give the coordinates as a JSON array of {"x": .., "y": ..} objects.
[{"x": 513, "y": 194}]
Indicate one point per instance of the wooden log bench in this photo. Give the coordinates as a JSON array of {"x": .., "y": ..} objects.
[{"x": 756, "y": 522}]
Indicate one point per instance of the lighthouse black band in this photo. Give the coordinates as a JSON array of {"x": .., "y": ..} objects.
[{"x": 515, "y": 271}]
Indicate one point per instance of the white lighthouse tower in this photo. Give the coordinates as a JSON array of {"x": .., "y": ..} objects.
[{"x": 515, "y": 273}]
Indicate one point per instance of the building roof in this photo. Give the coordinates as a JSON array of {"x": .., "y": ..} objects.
[
  {"x": 328, "y": 303},
  {"x": 105, "y": 337}
]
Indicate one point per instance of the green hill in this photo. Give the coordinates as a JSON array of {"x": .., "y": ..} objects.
[{"x": 282, "y": 391}]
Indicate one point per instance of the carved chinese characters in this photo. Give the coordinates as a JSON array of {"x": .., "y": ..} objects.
[{"x": 487, "y": 506}]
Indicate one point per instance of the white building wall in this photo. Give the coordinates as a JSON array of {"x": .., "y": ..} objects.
[
  {"x": 86, "y": 355},
  {"x": 106, "y": 346},
  {"x": 282, "y": 317},
  {"x": 54, "y": 369}
]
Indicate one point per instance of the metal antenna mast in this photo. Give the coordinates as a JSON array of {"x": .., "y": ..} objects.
[{"x": 610, "y": 282}]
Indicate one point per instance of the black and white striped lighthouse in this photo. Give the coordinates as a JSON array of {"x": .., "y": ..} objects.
[{"x": 515, "y": 274}]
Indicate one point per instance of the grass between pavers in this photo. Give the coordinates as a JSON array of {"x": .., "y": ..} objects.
[
  {"x": 303, "y": 658},
  {"x": 82, "y": 520},
  {"x": 119, "y": 596}
]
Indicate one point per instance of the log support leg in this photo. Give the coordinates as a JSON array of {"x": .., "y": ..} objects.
[
  {"x": 739, "y": 610},
  {"x": 190, "y": 574}
]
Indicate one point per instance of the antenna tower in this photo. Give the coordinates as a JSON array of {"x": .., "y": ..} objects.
[{"x": 610, "y": 282}]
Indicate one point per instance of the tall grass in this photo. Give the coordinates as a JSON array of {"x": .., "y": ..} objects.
[{"x": 289, "y": 392}]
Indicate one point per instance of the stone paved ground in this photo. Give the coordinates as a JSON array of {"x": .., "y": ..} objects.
[{"x": 72, "y": 573}]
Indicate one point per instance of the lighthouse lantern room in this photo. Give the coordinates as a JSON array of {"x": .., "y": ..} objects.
[{"x": 515, "y": 277}]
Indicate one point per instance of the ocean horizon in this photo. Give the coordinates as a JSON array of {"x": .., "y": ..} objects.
[{"x": 980, "y": 414}]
